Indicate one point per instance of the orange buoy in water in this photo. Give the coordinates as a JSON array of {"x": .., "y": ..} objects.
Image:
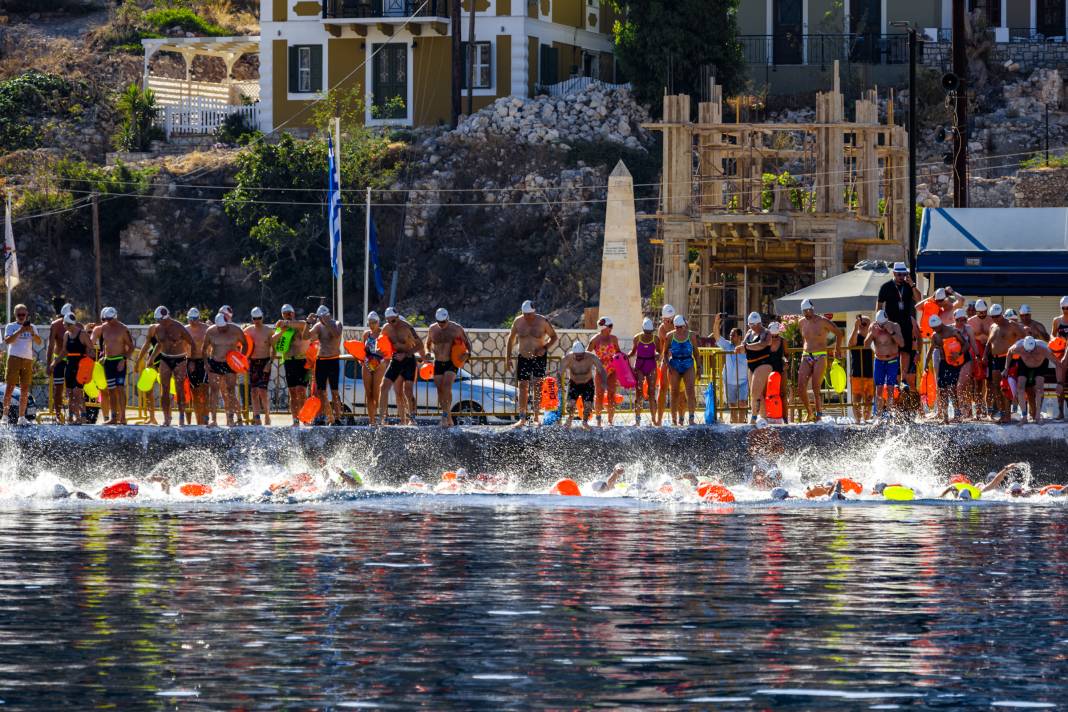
[
  {"x": 1051, "y": 488},
  {"x": 237, "y": 361},
  {"x": 960, "y": 478},
  {"x": 356, "y": 349},
  {"x": 194, "y": 489},
  {"x": 309, "y": 410},
  {"x": 426, "y": 371},
  {"x": 449, "y": 476},
  {"x": 566, "y": 487},
  {"x": 119, "y": 490},
  {"x": 849, "y": 485},
  {"x": 712, "y": 492}
]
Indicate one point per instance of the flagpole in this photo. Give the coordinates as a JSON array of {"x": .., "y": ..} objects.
[
  {"x": 367, "y": 258},
  {"x": 340, "y": 263},
  {"x": 7, "y": 279}
]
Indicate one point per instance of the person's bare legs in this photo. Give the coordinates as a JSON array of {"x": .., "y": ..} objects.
[
  {"x": 817, "y": 382},
  {"x": 409, "y": 395},
  {"x": 384, "y": 389},
  {"x": 524, "y": 402},
  {"x": 661, "y": 392},
  {"x": 57, "y": 401},
  {"x": 165, "y": 394},
  {"x": 229, "y": 382},
  {"x": 1021, "y": 397},
  {"x": 690, "y": 379},
  {"x": 804, "y": 373},
  {"x": 402, "y": 401},
  {"x": 758, "y": 383}
]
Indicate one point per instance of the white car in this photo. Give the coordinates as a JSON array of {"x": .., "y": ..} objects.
[{"x": 475, "y": 401}]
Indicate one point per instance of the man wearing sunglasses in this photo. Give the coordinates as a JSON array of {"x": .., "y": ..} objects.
[{"x": 20, "y": 336}]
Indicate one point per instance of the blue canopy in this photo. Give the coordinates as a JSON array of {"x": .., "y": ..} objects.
[{"x": 1010, "y": 251}]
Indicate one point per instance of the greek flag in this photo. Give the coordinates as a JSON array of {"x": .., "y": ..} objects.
[
  {"x": 11, "y": 260},
  {"x": 334, "y": 208}
]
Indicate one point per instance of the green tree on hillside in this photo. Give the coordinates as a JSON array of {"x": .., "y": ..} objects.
[{"x": 665, "y": 43}]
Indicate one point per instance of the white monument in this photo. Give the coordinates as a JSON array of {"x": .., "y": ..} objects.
[{"x": 621, "y": 295}]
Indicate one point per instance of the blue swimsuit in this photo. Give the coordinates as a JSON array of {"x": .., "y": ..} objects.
[{"x": 681, "y": 355}]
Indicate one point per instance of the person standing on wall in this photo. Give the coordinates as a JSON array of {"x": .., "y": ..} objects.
[{"x": 20, "y": 336}]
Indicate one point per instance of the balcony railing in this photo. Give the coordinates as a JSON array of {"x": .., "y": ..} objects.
[
  {"x": 400, "y": 9},
  {"x": 822, "y": 50}
]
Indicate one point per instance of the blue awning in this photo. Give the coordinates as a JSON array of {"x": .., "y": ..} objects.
[{"x": 1012, "y": 251}]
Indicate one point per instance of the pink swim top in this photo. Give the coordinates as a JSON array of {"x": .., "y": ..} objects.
[{"x": 644, "y": 356}]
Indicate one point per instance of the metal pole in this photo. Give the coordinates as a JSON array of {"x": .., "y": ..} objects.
[
  {"x": 471, "y": 60},
  {"x": 960, "y": 107},
  {"x": 913, "y": 238},
  {"x": 367, "y": 259},
  {"x": 1047, "y": 135},
  {"x": 457, "y": 61},
  {"x": 96, "y": 250},
  {"x": 7, "y": 283},
  {"x": 340, "y": 262}
]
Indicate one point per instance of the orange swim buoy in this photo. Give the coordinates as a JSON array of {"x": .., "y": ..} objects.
[
  {"x": 449, "y": 476},
  {"x": 85, "y": 370},
  {"x": 237, "y": 361},
  {"x": 930, "y": 309},
  {"x": 311, "y": 354},
  {"x": 929, "y": 388},
  {"x": 458, "y": 354},
  {"x": 773, "y": 396},
  {"x": 309, "y": 410},
  {"x": 1057, "y": 346},
  {"x": 852, "y": 486},
  {"x": 712, "y": 492},
  {"x": 356, "y": 349},
  {"x": 550, "y": 397},
  {"x": 960, "y": 478},
  {"x": 426, "y": 371},
  {"x": 565, "y": 487},
  {"x": 194, "y": 489},
  {"x": 384, "y": 346},
  {"x": 119, "y": 490},
  {"x": 1051, "y": 488}
]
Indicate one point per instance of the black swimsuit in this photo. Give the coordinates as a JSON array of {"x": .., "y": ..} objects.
[{"x": 758, "y": 358}]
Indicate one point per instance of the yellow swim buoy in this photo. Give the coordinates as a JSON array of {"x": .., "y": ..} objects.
[
  {"x": 974, "y": 491},
  {"x": 899, "y": 493}
]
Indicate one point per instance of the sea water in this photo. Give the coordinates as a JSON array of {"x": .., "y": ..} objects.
[{"x": 397, "y": 600}]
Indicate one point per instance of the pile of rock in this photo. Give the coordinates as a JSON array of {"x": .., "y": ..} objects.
[{"x": 596, "y": 113}]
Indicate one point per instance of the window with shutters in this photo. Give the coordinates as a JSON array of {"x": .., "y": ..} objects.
[
  {"x": 483, "y": 71},
  {"x": 305, "y": 69}
]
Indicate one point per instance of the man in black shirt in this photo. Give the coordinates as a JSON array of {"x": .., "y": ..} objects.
[{"x": 898, "y": 299}]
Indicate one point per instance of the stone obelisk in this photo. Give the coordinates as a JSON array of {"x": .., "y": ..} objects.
[{"x": 621, "y": 296}]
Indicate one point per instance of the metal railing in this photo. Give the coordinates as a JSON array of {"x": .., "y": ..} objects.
[
  {"x": 823, "y": 49},
  {"x": 400, "y": 9},
  {"x": 575, "y": 85}
]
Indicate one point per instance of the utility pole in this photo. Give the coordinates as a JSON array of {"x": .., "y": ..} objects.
[
  {"x": 457, "y": 60},
  {"x": 471, "y": 60},
  {"x": 96, "y": 249},
  {"x": 960, "y": 108},
  {"x": 913, "y": 132}
]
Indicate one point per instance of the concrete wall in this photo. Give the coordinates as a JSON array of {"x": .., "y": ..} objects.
[{"x": 1041, "y": 188}]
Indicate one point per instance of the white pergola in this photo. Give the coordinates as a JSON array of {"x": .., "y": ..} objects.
[{"x": 229, "y": 49}]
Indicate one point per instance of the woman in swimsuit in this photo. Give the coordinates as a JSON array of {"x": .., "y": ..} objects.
[
  {"x": 605, "y": 346},
  {"x": 681, "y": 347},
  {"x": 757, "y": 352},
  {"x": 644, "y": 352},
  {"x": 372, "y": 374}
]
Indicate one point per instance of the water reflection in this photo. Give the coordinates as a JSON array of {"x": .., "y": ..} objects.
[{"x": 460, "y": 606}]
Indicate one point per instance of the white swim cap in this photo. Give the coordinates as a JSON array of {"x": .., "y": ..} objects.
[
  {"x": 605, "y": 321},
  {"x": 995, "y": 310},
  {"x": 1029, "y": 343},
  {"x": 668, "y": 311},
  {"x": 754, "y": 319},
  {"x": 881, "y": 317},
  {"x": 67, "y": 309},
  {"x": 774, "y": 328},
  {"x": 1025, "y": 309},
  {"x": 441, "y": 315},
  {"x": 940, "y": 294},
  {"x": 257, "y": 313},
  {"x": 1011, "y": 314},
  {"x": 108, "y": 313},
  {"x": 323, "y": 310},
  {"x": 69, "y": 318},
  {"x": 806, "y": 304},
  {"x": 372, "y": 316},
  {"x": 226, "y": 309},
  {"x": 527, "y": 307},
  {"x": 779, "y": 493},
  {"x": 578, "y": 348},
  {"x": 679, "y": 320},
  {"x": 761, "y": 423},
  {"x": 220, "y": 319},
  {"x": 391, "y": 312},
  {"x": 647, "y": 324},
  {"x": 288, "y": 309},
  {"x": 980, "y": 305},
  {"x": 960, "y": 314},
  {"x": 58, "y": 490},
  {"x": 1064, "y": 302},
  {"x": 1016, "y": 488},
  {"x": 935, "y": 321},
  {"x": 161, "y": 313},
  {"x": 193, "y": 313}
]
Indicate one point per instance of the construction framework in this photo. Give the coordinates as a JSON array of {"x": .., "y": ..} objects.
[{"x": 732, "y": 240}]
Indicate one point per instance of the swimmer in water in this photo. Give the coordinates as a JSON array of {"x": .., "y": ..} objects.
[
  {"x": 61, "y": 492},
  {"x": 339, "y": 479},
  {"x": 609, "y": 483},
  {"x": 830, "y": 490},
  {"x": 961, "y": 488},
  {"x": 765, "y": 447}
]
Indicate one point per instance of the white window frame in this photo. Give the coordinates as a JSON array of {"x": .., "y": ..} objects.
[
  {"x": 304, "y": 69},
  {"x": 481, "y": 63}
]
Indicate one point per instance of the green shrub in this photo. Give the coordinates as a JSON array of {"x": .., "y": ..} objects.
[
  {"x": 24, "y": 96},
  {"x": 163, "y": 19},
  {"x": 138, "y": 109},
  {"x": 236, "y": 131}
]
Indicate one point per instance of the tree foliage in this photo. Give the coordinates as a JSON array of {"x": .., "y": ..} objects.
[
  {"x": 138, "y": 109},
  {"x": 666, "y": 43},
  {"x": 280, "y": 199}
]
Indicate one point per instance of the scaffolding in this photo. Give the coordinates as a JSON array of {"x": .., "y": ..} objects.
[{"x": 733, "y": 236}]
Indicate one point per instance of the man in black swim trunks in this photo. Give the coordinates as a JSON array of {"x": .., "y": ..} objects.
[
  {"x": 291, "y": 342},
  {"x": 196, "y": 367},
  {"x": 441, "y": 338},
  {"x": 328, "y": 363},
  {"x": 173, "y": 342},
  {"x": 259, "y": 368},
  {"x": 220, "y": 339},
  {"x": 580, "y": 366},
  {"x": 400, "y": 375},
  {"x": 118, "y": 347},
  {"x": 535, "y": 336},
  {"x": 57, "y": 367}
]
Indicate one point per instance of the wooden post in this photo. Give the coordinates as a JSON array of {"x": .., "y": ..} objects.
[
  {"x": 96, "y": 249},
  {"x": 457, "y": 61},
  {"x": 471, "y": 59}
]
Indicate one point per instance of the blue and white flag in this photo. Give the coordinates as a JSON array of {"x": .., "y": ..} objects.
[
  {"x": 334, "y": 209},
  {"x": 372, "y": 250},
  {"x": 11, "y": 260}
]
